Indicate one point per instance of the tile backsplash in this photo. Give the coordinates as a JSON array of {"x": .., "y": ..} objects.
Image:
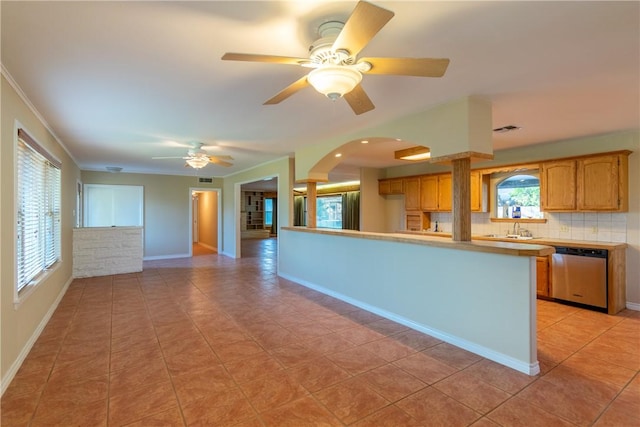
[{"x": 596, "y": 227}]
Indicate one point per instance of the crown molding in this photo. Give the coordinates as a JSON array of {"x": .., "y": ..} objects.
[{"x": 34, "y": 110}]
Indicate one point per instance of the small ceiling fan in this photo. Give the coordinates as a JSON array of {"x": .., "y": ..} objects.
[
  {"x": 198, "y": 158},
  {"x": 337, "y": 71}
]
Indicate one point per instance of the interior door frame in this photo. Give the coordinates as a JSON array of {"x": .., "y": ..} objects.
[{"x": 218, "y": 192}]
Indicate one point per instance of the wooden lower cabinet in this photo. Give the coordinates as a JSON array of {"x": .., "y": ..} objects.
[{"x": 543, "y": 288}]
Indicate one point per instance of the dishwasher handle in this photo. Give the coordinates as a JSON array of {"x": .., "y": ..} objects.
[{"x": 588, "y": 252}]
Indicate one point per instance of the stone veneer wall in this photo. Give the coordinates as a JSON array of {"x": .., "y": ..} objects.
[{"x": 102, "y": 251}]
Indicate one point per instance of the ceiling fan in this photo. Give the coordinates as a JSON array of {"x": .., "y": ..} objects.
[
  {"x": 198, "y": 158},
  {"x": 337, "y": 71}
]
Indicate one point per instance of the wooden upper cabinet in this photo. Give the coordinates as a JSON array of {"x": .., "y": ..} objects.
[
  {"x": 429, "y": 193},
  {"x": 586, "y": 184},
  {"x": 599, "y": 182},
  {"x": 445, "y": 196},
  {"x": 479, "y": 192},
  {"x": 435, "y": 193},
  {"x": 390, "y": 186},
  {"x": 411, "y": 188},
  {"x": 558, "y": 186}
]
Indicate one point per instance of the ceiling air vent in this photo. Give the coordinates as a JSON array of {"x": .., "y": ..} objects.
[
  {"x": 205, "y": 180},
  {"x": 505, "y": 129}
]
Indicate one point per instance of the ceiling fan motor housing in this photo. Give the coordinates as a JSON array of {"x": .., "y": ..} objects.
[{"x": 321, "y": 52}]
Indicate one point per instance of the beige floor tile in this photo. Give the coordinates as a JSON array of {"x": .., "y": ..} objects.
[{"x": 212, "y": 340}]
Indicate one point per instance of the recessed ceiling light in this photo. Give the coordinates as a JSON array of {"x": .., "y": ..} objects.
[
  {"x": 364, "y": 141},
  {"x": 338, "y": 155}
]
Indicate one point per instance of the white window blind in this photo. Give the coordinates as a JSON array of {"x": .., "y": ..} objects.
[{"x": 38, "y": 210}]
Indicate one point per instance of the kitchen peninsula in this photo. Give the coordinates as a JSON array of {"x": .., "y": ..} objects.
[{"x": 477, "y": 295}]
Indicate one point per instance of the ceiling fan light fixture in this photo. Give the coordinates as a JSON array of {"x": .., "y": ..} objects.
[
  {"x": 414, "y": 153},
  {"x": 334, "y": 81},
  {"x": 198, "y": 162}
]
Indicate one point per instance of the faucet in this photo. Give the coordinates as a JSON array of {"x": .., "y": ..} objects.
[{"x": 516, "y": 228}]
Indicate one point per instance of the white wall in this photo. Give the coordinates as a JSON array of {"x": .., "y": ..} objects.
[
  {"x": 372, "y": 204},
  {"x": 454, "y": 295},
  {"x": 21, "y": 325}
]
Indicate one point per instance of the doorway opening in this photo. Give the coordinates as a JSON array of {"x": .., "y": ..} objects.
[
  {"x": 204, "y": 233},
  {"x": 258, "y": 221}
]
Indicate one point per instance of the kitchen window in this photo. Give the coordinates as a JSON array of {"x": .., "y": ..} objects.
[
  {"x": 37, "y": 212},
  {"x": 516, "y": 190}
]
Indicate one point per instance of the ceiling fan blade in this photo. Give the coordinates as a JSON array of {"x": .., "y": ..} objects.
[
  {"x": 219, "y": 162},
  {"x": 221, "y": 157},
  {"x": 264, "y": 58},
  {"x": 420, "y": 67},
  {"x": 155, "y": 158},
  {"x": 358, "y": 100},
  {"x": 288, "y": 91},
  {"x": 364, "y": 23}
]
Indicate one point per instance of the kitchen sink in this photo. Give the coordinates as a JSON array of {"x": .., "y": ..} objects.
[
  {"x": 510, "y": 236},
  {"x": 518, "y": 237}
]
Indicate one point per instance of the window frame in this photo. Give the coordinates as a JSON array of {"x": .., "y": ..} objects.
[
  {"x": 49, "y": 162},
  {"x": 497, "y": 179},
  {"x": 270, "y": 211},
  {"x": 327, "y": 196}
]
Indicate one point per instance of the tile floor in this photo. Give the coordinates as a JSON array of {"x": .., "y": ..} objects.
[{"x": 213, "y": 341}]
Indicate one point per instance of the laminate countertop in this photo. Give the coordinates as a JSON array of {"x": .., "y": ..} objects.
[
  {"x": 536, "y": 240},
  {"x": 506, "y": 247}
]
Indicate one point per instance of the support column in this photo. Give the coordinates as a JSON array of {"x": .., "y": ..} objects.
[
  {"x": 461, "y": 182},
  {"x": 311, "y": 204}
]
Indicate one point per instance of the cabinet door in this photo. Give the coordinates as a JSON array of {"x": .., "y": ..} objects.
[
  {"x": 542, "y": 276},
  {"x": 429, "y": 193},
  {"x": 476, "y": 191},
  {"x": 396, "y": 186},
  {"x": 411, "y": 187},
  {"x": 384, "y": 187},
  {"x": 558, "y": 186},
  {"x": 390, "y": 186},
  {"x": 445, "y": 197},
  {"x": 598, "y": 183}
]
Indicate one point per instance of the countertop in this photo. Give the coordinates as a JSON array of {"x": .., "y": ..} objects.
[
  {"x": 506, "y": 247},
  {"x": 536, "y": 240}
]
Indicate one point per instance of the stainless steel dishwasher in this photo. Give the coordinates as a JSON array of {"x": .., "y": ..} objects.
[{"x": 579, "y": 277}]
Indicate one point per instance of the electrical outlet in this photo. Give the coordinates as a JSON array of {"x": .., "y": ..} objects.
[
  {"x": 564, "y": 228},
  {"x": 594, "y": 229}
]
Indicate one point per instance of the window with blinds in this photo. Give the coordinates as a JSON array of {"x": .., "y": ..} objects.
[{"x": 38, "y": 210}]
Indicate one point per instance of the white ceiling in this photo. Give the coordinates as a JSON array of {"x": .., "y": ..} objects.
[{"x": 121, "y": 82}]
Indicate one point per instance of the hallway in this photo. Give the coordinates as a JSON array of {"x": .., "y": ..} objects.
[{"x": 215, "y": 341}]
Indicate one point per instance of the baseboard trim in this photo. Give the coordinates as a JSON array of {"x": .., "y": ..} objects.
[
  {"x": 503, "y": 359},
  {"x": 13, "y": 369},
  {"x": 160, "y": 257},
  {"x": 633, "y": 306}
]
